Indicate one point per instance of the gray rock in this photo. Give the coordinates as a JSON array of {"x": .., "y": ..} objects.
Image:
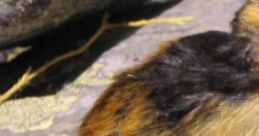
[
  {"x": 21, "y": 19},
  {"x": 61, "y": 114}
]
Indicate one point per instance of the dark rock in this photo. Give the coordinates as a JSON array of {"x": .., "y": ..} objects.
[{"x": 21, "y": 19}]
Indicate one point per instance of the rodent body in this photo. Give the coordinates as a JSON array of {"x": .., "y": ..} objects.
[{"x": 205, "y": 84}]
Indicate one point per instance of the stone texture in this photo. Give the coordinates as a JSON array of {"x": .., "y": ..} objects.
[
  {"x": 60, "y": 114},
  {"x": 21, "y": 19}
]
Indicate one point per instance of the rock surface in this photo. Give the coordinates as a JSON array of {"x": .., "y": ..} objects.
[
  {"x": 21, "y": 19},
  {"x": 60, "y": 114}
]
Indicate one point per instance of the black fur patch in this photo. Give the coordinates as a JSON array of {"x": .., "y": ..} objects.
[{"x": 182, "y": 78}]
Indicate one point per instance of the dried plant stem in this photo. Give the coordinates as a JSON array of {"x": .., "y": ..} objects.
[
  {"x": 154, "y": 21},
  {"x": 30, "y": 75}
]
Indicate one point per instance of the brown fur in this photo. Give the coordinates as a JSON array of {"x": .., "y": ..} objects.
[{"x": 202, "y": 85}]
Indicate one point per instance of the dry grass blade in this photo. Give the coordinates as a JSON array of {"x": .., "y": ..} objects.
[{"x": 30, "y": 75}]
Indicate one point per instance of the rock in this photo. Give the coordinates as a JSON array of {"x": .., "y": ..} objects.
[
  {"x": 21, "y": 19},
  {"x": 61, "y": 113}
]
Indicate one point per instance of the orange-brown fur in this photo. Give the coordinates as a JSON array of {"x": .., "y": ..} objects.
[{"x": 126, "y": 108}]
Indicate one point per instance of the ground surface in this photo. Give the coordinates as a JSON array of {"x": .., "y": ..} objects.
[{"x": 59, "y": 114}]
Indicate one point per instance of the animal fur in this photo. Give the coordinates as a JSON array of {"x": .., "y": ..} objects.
[{"x": 201, "y": 85}]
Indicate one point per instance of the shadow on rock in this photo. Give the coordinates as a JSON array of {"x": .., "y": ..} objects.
[{"x": 68, "y": 37}]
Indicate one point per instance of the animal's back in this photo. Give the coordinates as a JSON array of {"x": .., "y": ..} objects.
[{"x": 205, "y": 84}]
